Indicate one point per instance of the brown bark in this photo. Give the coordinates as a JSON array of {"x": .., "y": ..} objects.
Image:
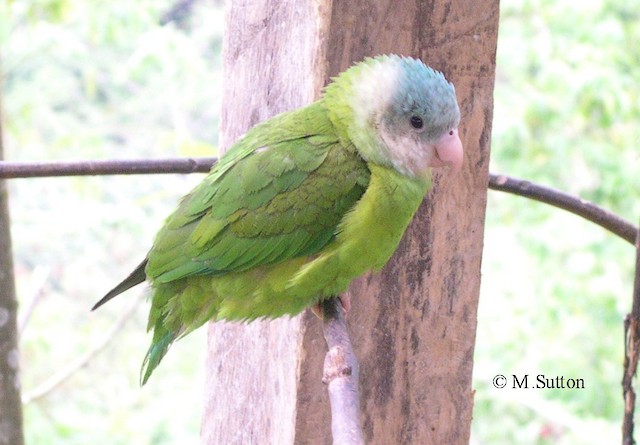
[
  {"x": 413, "y": 325},
  {"x": 10, "y": 403},
  {"x": 631, "y": 355}
]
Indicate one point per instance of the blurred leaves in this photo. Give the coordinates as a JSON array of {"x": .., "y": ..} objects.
[
  {"x": 91, "y": 80},
  {"x": 113, "y": 79},
  {"x": 555, "y": 289}
]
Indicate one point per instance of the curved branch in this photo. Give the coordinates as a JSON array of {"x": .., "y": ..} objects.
[{"x": 565, "y": 201}]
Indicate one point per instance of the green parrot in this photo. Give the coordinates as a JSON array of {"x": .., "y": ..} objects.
[{"x": 303, "y": 203}]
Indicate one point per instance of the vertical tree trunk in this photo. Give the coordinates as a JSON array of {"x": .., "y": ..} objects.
[
  {"x": 10, "y": 403},
  {"x": 272, "y": 62},
  {"x": 413, "y": 325}
]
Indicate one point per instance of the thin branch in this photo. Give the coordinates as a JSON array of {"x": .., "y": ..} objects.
[
  {"x": 565, "y": 201},
  {"x": 67, "y": 372},
  {"x": 33, "y": 296},
  {"x": 528, "y": 189},
  {"x": 631, "y": 355},
  {"x": 110, "y": 167},
  {"x": 341, "y": 376}
]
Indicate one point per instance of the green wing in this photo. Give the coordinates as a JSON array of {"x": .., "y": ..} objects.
[{"x": 279, "y": 193}]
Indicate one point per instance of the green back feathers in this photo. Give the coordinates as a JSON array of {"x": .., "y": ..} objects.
[{"x": 280, "y": 202}]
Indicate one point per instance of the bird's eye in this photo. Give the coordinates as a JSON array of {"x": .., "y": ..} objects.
[
  {"x": 416, "y": 122},
  {"x": 450, "y": 132}
]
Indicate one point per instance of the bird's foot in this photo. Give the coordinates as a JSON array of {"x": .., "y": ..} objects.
[{"x": 345, "y": 302}]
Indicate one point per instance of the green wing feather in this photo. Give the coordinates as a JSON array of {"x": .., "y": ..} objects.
[
  {"x": 278, "y": 194},
  {"x": 275, "y": 200}
]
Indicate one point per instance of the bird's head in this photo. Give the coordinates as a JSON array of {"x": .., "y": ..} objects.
[{"x": 399, "y": 113}]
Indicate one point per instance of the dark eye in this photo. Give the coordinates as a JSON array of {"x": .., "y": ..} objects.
[{"x": 416, "y": 122}]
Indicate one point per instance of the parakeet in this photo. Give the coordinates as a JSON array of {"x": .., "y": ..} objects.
[{"x": 303, "y": 203}]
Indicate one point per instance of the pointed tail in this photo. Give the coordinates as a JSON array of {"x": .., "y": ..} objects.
[
  {"x": 136, "y": 277},
  {"x": 159, "y": 348}
]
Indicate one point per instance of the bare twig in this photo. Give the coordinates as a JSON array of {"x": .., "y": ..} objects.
[
  {"x": 65, "y": 373},
  {"x": 341, "y": 376},
  {"x": 565, "y": 201},
  {"x": 34, "y": 295},
  {"x": 109, "y": 167},
  {"x": 631, "y": 355}
]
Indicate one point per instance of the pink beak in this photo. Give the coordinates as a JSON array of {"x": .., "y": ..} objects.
[{"x": 448, "y": 152}]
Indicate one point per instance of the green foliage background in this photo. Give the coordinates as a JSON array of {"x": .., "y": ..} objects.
[
  {"x": 114, "y": 79},
  {"x": 556, "y": 289},
  {"x": 102, "y": 80}
]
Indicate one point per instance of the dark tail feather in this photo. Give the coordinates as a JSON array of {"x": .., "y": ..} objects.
[
  {"x": 136, "y": 277},
  {"x": 158, "y": 349}
]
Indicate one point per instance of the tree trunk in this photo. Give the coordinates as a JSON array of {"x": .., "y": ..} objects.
[
  {"x": 272, "y": 63},
  {"x": 10, "y": 402},
  {"x": 413, "y": 325}
]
